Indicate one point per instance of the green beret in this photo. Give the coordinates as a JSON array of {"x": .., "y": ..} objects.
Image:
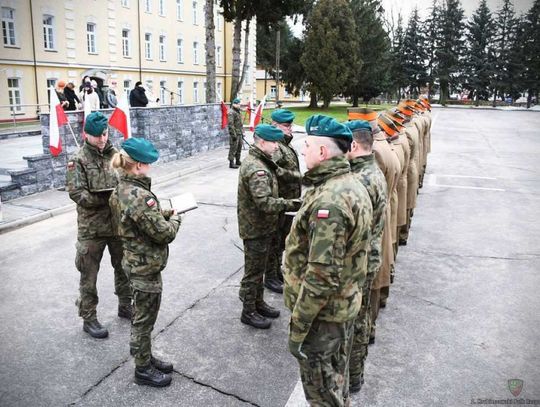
[
  {"x": 268, "y": 133},
  {"x": 140, "y": 150},
  {"x": 236, "y": 101},
  {"x": 354, "y": 125},
  {"x": 95, "y": 124},
  {"x": 282, "y": 116},
  {"x": 324, "y": 126}
]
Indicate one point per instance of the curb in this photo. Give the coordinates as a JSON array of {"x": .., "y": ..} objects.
[
  {"x": 495, "y": 109},
  {"x": 20, "y": 223}
]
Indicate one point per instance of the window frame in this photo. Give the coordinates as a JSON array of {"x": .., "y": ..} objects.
[
  {"x": 8, "y": 40},
  {"x": 48, "y": 33},
  {"x": 14, "y": 93},
  {"x": 195, "y": 53},
  {"x": 180, "y": 50},
  {"x": 162, "y": 48},
  {"x": 194, "y": 13},
  {"x": 91, "y": 35},
  {"x": 180, "y": 10},
  {"x": 148, "y": 46},
  {"x": 180, "y": 91},
  {"x": 195, "y": 92},
  {"x": 126, "y": 43}
]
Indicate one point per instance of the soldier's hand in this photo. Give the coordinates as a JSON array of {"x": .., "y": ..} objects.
[
  {"x": 294, "y": 204},
  {"x": 296, "y": 350}
]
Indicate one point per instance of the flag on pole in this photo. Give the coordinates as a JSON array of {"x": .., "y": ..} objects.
[
  {"x": 57, "y": 118},
  {"x": 87, "y": 111},
  {"x": 120, "y": 119},
  {"x": 258, "y": 114},
  {"x": 250, "y": 110},
  {"x": 224, "y": 113}
]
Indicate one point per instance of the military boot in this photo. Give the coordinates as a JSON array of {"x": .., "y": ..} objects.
[
  {"x": 274, "y": 285},
  {"x": 232, "y": 164},
  {"x": 161, "y": 365},
  {"x": 125, "y": 311},
  {"x": 238, "y": 162},
  {"x": 356, "y": 384},
  {"x": 267, "y": 311},
  {"x": 253, "y": 318},
  {"x": 95, "y": 329},
  {"x": 150, "y": 376}
]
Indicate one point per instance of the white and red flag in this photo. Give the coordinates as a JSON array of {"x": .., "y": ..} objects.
[
  {"x": 57, "y": 118},
  {"x": 120, "y": 119},
  {"x": 256, "y": 118}
]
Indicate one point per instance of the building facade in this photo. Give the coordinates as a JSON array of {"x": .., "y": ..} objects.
[
  {"x": 266, "y": 85},
  {"x": 158, "y": 42}
]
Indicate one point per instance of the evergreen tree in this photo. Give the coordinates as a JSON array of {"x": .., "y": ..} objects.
[
  {"x": 431, "y": 29},
  {"x": 531, "y": 54},
  {"x": 449, "y": 48},
  {"x": 479, "y": 60},
  {"x": 398, "y": 80},
  {"x": 414, "y": 55},
  {"x": 330, "y": 48},
  {"x": 293, "y": 72}
]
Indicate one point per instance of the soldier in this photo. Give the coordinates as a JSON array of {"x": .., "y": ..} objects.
[
  {"x": 326, "y": 264},
  {"x": 390, "y": 167},
  {"x": 364, "y": 167},
  {"x": 258, "y": 210},
  {"x": 236, "y": 133},
  {"x": 145, "y": 230},
  {"x": 289, "y": 187},
  {"x": 90, "y": 181}
]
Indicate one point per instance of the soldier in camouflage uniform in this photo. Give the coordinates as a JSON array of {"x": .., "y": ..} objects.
[
  {"x": 326, "y": 264},
  {"x": 290, "y": 187},
  {"x": 365, "y": 168},
  {"x": 236, "y": 132},
  {"x": 145, "y": 230},
  {"x": 258, "y": 209},
  {"x": 89, "y": 182}
]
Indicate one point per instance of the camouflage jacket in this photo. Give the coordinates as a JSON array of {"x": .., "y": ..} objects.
[
  {"x": 258, "y": 201},
  {"x": 370, "y": 175},
  {"x": 145, "y": 230},
  {"x": 326, "y": 250},
  {"x": 89, "y": 182},
  {"x": 289, "y": 176},
  {"x": 235, "y": 124}
]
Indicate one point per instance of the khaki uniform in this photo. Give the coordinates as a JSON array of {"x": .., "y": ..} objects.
[
  {"x": 412, "y": 178},
  {"x": 89, "y": 182}
]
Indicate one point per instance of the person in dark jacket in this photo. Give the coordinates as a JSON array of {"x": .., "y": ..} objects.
[
  {"x": 137, "y": 97},
  {"x": 71, "y": 96}
]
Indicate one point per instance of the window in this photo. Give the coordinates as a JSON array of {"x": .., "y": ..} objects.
[
  {"x": 48, "y": 32},
  {"x": 218, "y": 56},
  {"x": 195, "y": 52},
  {"x": 218, "y": 91},
  {"x": 273, "y": 91},
  {"x": 51, "y": 83},
  {"x": 14, "y": 93},
  {"x": 126, "y": 43},
  {"x": 195, "y": 12},
  {"x": 161, "y": 7},
  {"x": 180, "y": 10},
  {"x": 147, "y": 6},
  {"x": 124, "y": 3},
  {"x": 180, "y": 50},
  {"x": 195, "y": 92},
  {"x": 127, "y": 88},
  {"x": 148, "y": 46},
  {"x": 8, "y": 26},
  {"x": 91, "y": 37},
  {"x": 180, "y": 91},
  {"x": 162, "y": 46},
  {"x": 162, "y": 94}
]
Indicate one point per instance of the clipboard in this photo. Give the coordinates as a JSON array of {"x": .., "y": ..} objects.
[{"x": 181, "y": 203}]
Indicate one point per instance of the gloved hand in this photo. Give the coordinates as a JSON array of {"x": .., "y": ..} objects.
[
  {"x": 167, "y": 213},
  {"x": 296, "y": 350},
  {"x": 294, "y": 204}
]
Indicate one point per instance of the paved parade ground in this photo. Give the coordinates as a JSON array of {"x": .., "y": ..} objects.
[{"x": 462, "y": 318}]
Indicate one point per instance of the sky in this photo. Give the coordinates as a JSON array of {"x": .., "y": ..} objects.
[{"x": 406, "y": 7}]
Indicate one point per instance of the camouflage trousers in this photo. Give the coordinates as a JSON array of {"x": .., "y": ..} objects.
[
  {"x": 256, "y": 260},
  {"x": 145, "y": 312},
  {"x": 362, "y": 331},
  {"x": 235, "y": 147},
  {"x": 325, "y": 374},
  {"x": 273, "y": 271},
  {"x": 87, "y": 261}
]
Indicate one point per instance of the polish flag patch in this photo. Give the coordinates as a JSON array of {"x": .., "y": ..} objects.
[
  {"x": 261, "y": 173},
  {"x": 150, "y": 202},
  {"x": 323, "y": 214}
]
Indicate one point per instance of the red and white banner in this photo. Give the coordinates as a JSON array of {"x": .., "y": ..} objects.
[
  {"x": 120, "y": 119},
  {"x": 224, "y": 113},
  {"x": 256, "y": 118},
  {"x": 57, "y": 118}
]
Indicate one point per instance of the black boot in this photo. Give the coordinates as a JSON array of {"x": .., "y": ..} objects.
[
  {"x": 232, "y": 164},
  {"x": 125, "y": 311},
  {"x": 403, "y": 242},
  {"x": 150, "y": 376},
  {"x": 267, "y": 311},
  {"x": 255, "y": 319},
  {"x": 274, "y": 285},
  {"x": 356, "y": 384},
  {"x": 238, "y": 162},
  {"x": 162, "y": 366},
  {"x": 95, "y": 329}
]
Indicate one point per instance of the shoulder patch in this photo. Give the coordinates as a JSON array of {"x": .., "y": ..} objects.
[
  {"x": 150, "y": 202},
  {"x": 71, "y": 165},
  {"x": 323, "y": 214},
  {"x": 261, "y": 173}
]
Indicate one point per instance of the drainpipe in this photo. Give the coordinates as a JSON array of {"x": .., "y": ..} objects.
[{"x": 34, "y": 54}]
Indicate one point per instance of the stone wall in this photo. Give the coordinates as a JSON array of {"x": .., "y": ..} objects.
[{"x": 176, "y": 131}]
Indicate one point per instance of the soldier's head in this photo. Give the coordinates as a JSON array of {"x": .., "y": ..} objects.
[
  {"x": 135, "y": 156},
  {"x": 236, "y": 103},
  {"x": 362, "y": 143},
  {"x": 327, "y": 138},
  {"x": 283, "y": 120},
  {"x": 96, "y": 129},
  {"x": 266, "y": 138}
]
